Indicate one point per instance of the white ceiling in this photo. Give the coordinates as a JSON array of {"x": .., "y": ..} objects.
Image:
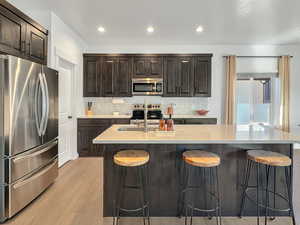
[{"x": 175, "y": 21}]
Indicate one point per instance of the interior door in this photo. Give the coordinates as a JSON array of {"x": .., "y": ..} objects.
[
  {"x": 65, "y": 130},
  {"x": 22, "y": 88},
  {"x": 51, "y": 123}
]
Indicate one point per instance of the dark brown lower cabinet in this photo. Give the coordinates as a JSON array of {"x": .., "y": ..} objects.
[
  {"x": 195, "y": 121},
  {"x": 88, "y": 129}
]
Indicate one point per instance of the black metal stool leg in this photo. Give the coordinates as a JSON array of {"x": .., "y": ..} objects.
[
  {"x": 257, "y": 192},
  {"x": 218, "y": 197},
  {"x": 245, "y": 185},
  {"x": 289, "y": 191},
  {"x": 274, "y": 191},
  {"x": 147, "y": 183},
  {"x": 211, "y": 183},
  {"x": 115, "y": 184},
  {"x": 120, "y": 190},
  {"x": 142, "y": 194},
  {"x": 267, "y": 193}
]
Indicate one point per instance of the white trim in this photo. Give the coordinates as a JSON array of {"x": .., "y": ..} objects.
[{"x": 58, "y": 54}]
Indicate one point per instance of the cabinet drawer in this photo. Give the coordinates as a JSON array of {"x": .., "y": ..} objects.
[
  {"x": 93, "y": 122},
  {"x": 201, "y": 121}
]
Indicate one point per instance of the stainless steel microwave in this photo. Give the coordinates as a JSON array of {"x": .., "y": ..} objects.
[{"x": 147, "y": 86}]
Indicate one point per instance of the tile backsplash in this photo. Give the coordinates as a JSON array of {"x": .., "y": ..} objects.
[{"x": 182, "y": 106}]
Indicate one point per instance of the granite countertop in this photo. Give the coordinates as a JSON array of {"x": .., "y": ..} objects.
[
  {"x": 198, "y": 134},
  {"x": 108, "y": 116}
]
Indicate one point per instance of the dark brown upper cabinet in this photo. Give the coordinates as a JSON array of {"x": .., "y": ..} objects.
[
  {"x": 107, "y": 75},
  {"x": 185, "y": 71},
  {"x": 202, "y": 77},
  {"x": 12, "y": 33},
  {"x": 21, "y": 36},
  {"x": 178, "y": 76},
  {"x": 116, "y": 75},
  {"x": 124, "y": 75},
  {"x": 171, "y": 77},
  {"x": 148, "y": 67},
  {"x": 36, "y": 45},
  {"x": 91, "y": 77}
]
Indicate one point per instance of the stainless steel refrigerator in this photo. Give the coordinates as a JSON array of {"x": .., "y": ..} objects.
[{"x": 29, "y": 132}]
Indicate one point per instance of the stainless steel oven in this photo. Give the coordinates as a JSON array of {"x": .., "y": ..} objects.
[{"x": 147, "y": 86}]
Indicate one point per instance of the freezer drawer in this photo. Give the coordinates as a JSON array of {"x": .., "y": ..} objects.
[
  {"x": 29, "y": 161},
  {"x": 28, "y": 188}
]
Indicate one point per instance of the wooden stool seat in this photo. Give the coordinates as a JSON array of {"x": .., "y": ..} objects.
[
  {"x": 269, "y": 158},
  {"x": 201, "y": 158},
  {"x": 130, "y": 158}
]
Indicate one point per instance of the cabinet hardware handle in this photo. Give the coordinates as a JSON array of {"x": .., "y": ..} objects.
[
  {"x": 110, "y": 61},
  {"x": 23, "y": 47},
  {"x": 184, "y": 61}
]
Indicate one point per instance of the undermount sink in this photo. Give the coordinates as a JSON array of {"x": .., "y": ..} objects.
[{"x": 136, "y": 129}]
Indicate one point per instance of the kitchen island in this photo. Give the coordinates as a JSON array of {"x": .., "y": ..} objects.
[{"x": 229, "y": 142}]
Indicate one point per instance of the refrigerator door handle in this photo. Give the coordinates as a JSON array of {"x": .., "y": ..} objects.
[
  {"x": 44, "y": 103},
  {"x": 39, "y": 87},
  {"x": 47, "y": 105}
]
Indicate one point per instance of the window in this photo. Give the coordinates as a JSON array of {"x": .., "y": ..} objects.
[{"x": 255, "y": 98}]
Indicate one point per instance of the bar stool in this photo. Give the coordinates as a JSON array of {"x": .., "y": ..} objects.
[
  {"x": 271, "y": 160},
  {"x": 203, "y": 167},
  {"x": 131, "y": 160}
]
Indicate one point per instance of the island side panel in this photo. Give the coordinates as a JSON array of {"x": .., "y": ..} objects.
[{"x": 164, "y": 176}]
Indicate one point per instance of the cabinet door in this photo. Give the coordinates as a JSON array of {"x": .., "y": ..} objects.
[
  {"x": 155, "y": 67},
  {"x": 12, "y": 33},
  {"x": 148, "y": 67},
  {"x": 36, "y": 42},
  {"x": 123, "y": 79},
  {"x": 171, "y": 77},
  {"x": 202, "y": 77},
  {"x": 139, "y": 67},
  {"x": 85, "y": 141},
  {"x": 109, "y": 76},
  {"x": 185, "y": 76},
  {"x": 91, "y": 77}
]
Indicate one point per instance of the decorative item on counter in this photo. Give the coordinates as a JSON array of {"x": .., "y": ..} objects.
[
  {"x": 89, "y": 111},
  {"x": 170, "y": 111},
  {"x": 202, "y": 112},
  {"x": 162, "y": 125},
  {"x": 170, "y": 125}
]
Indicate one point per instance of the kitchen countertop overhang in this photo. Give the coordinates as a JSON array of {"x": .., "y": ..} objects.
[{"x": 199, "y": 134}]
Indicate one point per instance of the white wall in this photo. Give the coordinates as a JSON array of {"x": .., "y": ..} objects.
[{"x": 65, "y": 41}]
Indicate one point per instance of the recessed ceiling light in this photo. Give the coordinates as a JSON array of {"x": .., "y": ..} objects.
[
  {"x": 199, "y": 29},
  {"x": 150, "y": 29},
  {"x": 101, "y": 29}
]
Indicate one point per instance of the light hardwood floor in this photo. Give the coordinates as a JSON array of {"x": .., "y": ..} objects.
[{"x": 74, "y": 199}]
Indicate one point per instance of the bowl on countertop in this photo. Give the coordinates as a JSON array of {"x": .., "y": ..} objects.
[{"x": 202, "y": 112}]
